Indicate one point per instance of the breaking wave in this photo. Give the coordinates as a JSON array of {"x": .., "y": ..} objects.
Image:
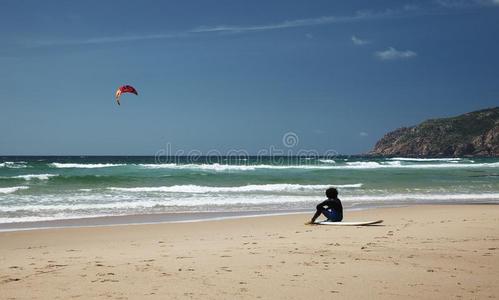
[
  {"x": 327, "y": 161},
  {"x": 13, "y": 164},
  {"x": 84, "y": 166},
  {"x": 10, "y": 190},
  {"x": 424, "y": 159},
  {"x": 35, "y": 176},
  {"x": 195, "y": 189},
  {"x": 120, "y": 205}
]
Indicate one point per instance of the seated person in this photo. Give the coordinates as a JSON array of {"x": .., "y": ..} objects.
[{"x": 330, "y": 208}]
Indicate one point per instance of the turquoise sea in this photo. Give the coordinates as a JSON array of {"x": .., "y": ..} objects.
[{"x": 58, "y": 188}]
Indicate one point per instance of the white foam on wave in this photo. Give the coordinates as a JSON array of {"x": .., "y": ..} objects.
[
  {"x": 10, "y": 190},
  {"x": 333, "y": 166},
  {"x": 399, "y": 165},
  {"x": 35, "y": 176},
  {"x": 422, "y": 197},
  {"x": 360, "y": 165},
  {"x": 451, "y": 166},
  {"x": 424, "y": 159},
  {"x": 327, "y": 161},
  {"x": 120, "y": 206},
  {"x": 205, "y": 167},
  {"x": 40, "y": 219},
  {"x": 221, "y": 167},
  {"x": 194, "y": 189},
  {"x": 84, "y": 166},
  {"x": 225, "y": 167},
  {"x": 13, "y": 164}
]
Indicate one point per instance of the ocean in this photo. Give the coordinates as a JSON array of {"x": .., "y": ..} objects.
[{"x": 62, "y": 188}]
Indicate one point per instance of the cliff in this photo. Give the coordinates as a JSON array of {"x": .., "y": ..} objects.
[{"x": 471, "y": 134}]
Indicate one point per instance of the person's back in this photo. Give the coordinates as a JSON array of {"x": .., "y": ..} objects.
[
  {"x": 331, "y": 208},
  {"x": 333, "y": 204}
]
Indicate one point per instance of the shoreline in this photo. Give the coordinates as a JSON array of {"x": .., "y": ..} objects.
[
  {"x": 142, "y": 219},
  {"x": 187, "y": 217},
  {"x": 419, "y": 252}
]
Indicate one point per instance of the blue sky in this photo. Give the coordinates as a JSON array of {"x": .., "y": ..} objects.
[{"x": 237, "y": 74}]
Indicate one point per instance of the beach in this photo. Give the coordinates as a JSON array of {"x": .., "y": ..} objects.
[{"x": 419, "y": 252}]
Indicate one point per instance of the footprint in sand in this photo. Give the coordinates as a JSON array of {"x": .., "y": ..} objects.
[
  {"x": 57, "y": 265},
  {"x": 15, "y": 267},
  {"x": 104, "y": 274},
  {"x": 10, "y": 280}
]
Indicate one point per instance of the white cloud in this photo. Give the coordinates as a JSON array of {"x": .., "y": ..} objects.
[
  {"x": 363, "y": 133},
  {"x": 454, "y": 3},
  {"x": 466, "y": 3},
  {"x": 394, "y": 54},
  {"x": 358, "y": 16},
  {"x": 359, "y": 42},
  {"x": 488, "y": 2},
  {"x": 112, "y": 39},
  {"x": 307, "y": 22}
]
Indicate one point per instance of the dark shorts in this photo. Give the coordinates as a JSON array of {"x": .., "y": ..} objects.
[{"x": 332, "y": 215}]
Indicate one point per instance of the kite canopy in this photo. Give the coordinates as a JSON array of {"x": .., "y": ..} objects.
[{"x": 124, "y": 89}]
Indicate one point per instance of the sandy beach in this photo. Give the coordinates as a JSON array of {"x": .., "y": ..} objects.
[{"x": 420, "y": 252}]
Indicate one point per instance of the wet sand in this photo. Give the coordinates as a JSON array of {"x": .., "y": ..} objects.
[{"x": 420, "y": 252}]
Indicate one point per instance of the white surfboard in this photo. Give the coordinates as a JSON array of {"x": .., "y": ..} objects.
[{"x": 350, "y": 223}]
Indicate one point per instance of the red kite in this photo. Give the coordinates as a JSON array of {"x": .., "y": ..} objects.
[{"x": 124, "y": 89}]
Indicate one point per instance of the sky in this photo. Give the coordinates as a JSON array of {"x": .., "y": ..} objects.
[{"x": 233, "y": 74}]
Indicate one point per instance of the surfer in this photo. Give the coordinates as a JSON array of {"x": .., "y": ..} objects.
[{"x": 330, "y": 208}]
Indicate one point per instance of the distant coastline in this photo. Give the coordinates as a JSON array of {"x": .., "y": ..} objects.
[{"x": 474, "y": 134}]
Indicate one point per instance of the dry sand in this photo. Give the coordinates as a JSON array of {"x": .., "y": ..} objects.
[{"x": 421, "y": 252}]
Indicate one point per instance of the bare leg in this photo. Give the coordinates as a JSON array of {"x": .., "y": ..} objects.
[{"x": 316, "y": 215}]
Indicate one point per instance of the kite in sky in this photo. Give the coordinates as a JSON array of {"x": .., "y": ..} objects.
[{"x": 124, "y": 89}]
